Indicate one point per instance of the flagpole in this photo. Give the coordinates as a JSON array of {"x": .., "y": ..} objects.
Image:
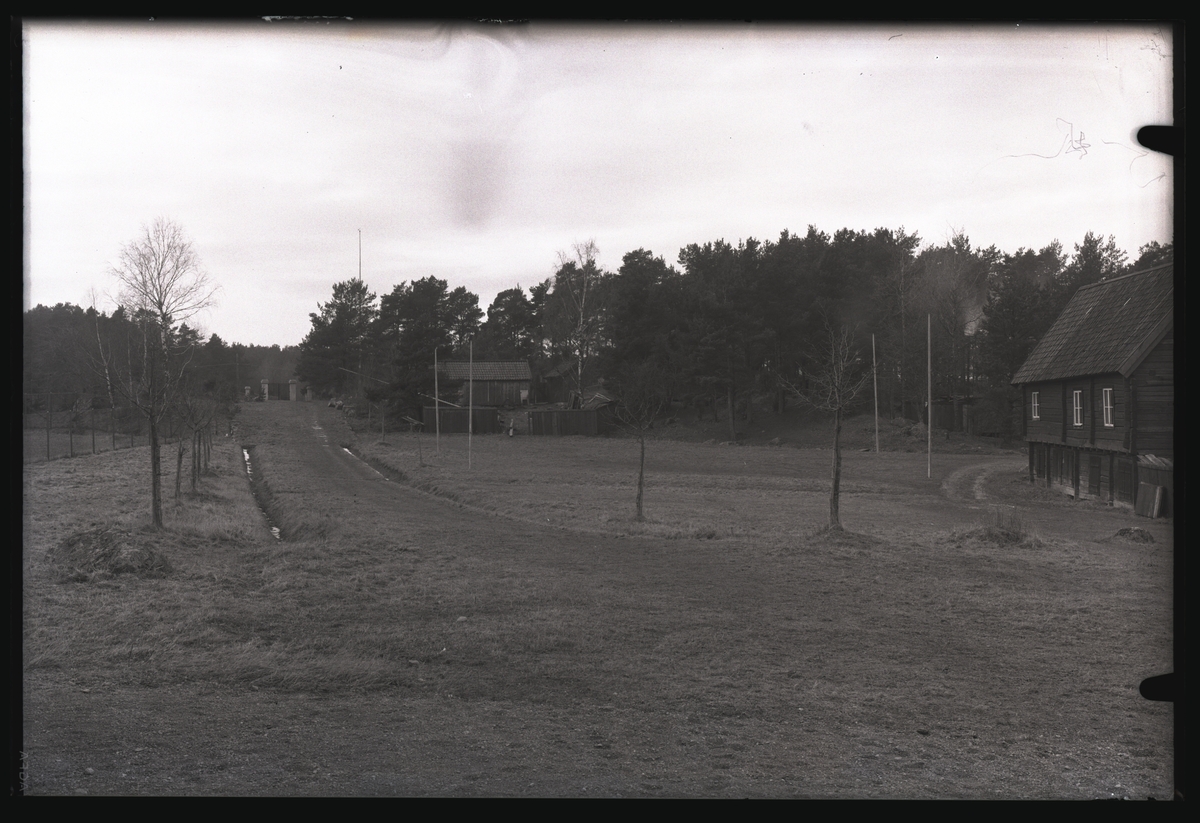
[
  {"x": 437, "y": 407},
  {"x": 471, "y": 399}
]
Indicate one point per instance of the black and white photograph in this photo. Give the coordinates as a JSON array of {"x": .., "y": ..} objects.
[{"x": 595, "y": 409}]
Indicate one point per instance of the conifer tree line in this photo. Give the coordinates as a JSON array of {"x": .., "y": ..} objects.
[
  {"x": 61, "y": 352},
  {"x": 725, "y": 329},
  {"x": 728, "y": 329}
]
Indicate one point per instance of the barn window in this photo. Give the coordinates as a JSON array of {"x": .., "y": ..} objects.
[
  {"x": 1108, "y": 406},
  {"x": 1036, "y": 416},
  {"x": 1077, "y": 401}
]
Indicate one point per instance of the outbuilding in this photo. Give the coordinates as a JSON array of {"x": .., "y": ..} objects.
[
  {"x": 496, "y": 382},
  {"x": 1099, "y": 394}
]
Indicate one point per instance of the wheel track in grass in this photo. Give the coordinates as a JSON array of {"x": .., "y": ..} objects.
[{"x": 969, "y": 484}]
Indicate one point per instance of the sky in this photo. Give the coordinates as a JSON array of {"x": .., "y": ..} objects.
[{"x": 478, "y": 153}]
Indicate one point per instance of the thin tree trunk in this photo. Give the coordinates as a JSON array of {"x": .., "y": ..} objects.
[
  {"x": 156, "y": 511},
  {"x": 835, "y": 522},
  {"x": 641, "y": 474},
  {"x": 178, "y": 468},
  {"x": 195, "y": 458},
  {"x": 732, "y": 417}
]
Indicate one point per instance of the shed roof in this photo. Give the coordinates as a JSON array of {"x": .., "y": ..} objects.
[
  {"x": 486, "y": 370},
  {"x": 561, "y": 369},
  {"x": 1107, "y": 327}
]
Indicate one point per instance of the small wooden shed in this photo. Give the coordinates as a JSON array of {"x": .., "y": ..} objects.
[
  {"x": 1099, "y": 391},
  {"x": 496, "y": 382}
]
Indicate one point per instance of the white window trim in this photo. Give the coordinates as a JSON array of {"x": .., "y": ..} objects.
[
  {"x": 1036, "y": 415},
  {"x": 1107, "y": 395},
  {"x": 1077, "y": 408}
]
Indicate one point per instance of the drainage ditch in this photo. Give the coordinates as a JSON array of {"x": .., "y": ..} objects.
[{"x": 259, "y": 490}]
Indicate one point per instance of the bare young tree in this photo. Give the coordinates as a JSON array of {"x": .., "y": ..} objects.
[
  {"x": 641, "y": 398},
  {"x": 161, "y": 283},
  {"x": 831, "y": 384}
]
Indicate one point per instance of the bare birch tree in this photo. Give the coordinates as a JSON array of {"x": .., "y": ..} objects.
[
  {"x": 575, "y": 310},
  {"x": 162, "y": 283}
]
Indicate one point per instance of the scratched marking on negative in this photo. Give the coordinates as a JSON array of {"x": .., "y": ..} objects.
[{"x": 1069, "y": 144}]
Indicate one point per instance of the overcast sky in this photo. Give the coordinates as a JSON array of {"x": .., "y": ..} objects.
[{"x": 476, "y": 153}]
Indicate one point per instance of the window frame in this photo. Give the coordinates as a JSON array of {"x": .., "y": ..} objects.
[
  {"x": 1077, "y": 408},
  {"x": 1034, "y": 405},
  {"x": 1106, "y": 395}
]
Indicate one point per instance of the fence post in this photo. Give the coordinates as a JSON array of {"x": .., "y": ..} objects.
[
  {"x": 71, "y": 437},
  {"x": 49, "y": 414},
  {"x": 92, "y": 424}
]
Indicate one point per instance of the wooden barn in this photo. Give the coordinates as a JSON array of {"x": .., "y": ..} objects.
[
  {"x": 1099, "y": 394},
  {"x": 497, "y": 382}
]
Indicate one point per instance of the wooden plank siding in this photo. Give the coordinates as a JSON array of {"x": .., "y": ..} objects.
[
  {"x": 1154, "y": 384},
  {"x": 454, "y": 421},
  {"x": 1056, "y": 424},
  {"x": 494, "y": 392},
  {"x": 565, "y": 422}
]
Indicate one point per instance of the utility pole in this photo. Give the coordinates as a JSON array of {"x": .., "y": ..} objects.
[
  {"x": 437, "y": 407},
  {"x": 360, "y": 365},
  {"x": 875, "y": 380}
]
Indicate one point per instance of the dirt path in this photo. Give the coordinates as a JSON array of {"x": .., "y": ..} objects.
[{"x": 969, "y": 484}]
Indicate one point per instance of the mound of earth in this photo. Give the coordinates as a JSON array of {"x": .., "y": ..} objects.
[
  {"x": 1133, "y": 534},
  {"x": 108, "y": 550}
]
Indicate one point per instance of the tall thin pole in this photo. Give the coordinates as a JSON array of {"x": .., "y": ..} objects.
[
  {"x": 875, "y": 380},
  {"x": 360, "y": 254},
  {"x": 470, "y": 399},
  {"x": 929, "y": 396},
  {"x": 437, "y": 407}
]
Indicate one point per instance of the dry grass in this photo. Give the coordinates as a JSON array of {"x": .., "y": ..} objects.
[
  {"x": 729, "y": 648},
  {"x": 711, "y": 491},
  {"x": 1002, "y": 526}
]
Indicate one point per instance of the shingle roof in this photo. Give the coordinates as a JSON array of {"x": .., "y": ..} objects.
[
  {"x": 1107, "y": 327},
  {"x": 486, "y": 370}
]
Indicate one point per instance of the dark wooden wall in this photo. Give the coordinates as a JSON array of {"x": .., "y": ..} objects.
[{"x": 1154, "y": 387}]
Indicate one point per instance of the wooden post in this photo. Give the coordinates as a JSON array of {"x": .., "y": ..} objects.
[
  {"x": 929, "y": 396},
  {"x": 92, "y": 423},
  {"x": 49, "y": 414},
  {"x": 1133, "y": 444},
  {"x": 112, "y": 426},
  {"x": 1112, "y": 479}
]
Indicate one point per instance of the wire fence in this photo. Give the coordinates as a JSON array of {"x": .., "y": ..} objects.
[{"x": 63, "y": 424}]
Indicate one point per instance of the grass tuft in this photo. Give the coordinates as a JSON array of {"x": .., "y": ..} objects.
[
  {"x": 1004, "y": 527},
  {"x": 108, "y": 550}
]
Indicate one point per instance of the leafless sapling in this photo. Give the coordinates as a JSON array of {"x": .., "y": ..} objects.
[
  {"x": 831, "y": 382},
  {"x": 641, "y": 397}
]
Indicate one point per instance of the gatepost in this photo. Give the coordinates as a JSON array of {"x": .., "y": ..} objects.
[
  {"x": 266, "y": 394},
  {"x": 293, "y": 388}
]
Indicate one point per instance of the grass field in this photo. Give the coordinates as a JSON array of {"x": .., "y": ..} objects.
[{"x": 507, "y": 629}]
